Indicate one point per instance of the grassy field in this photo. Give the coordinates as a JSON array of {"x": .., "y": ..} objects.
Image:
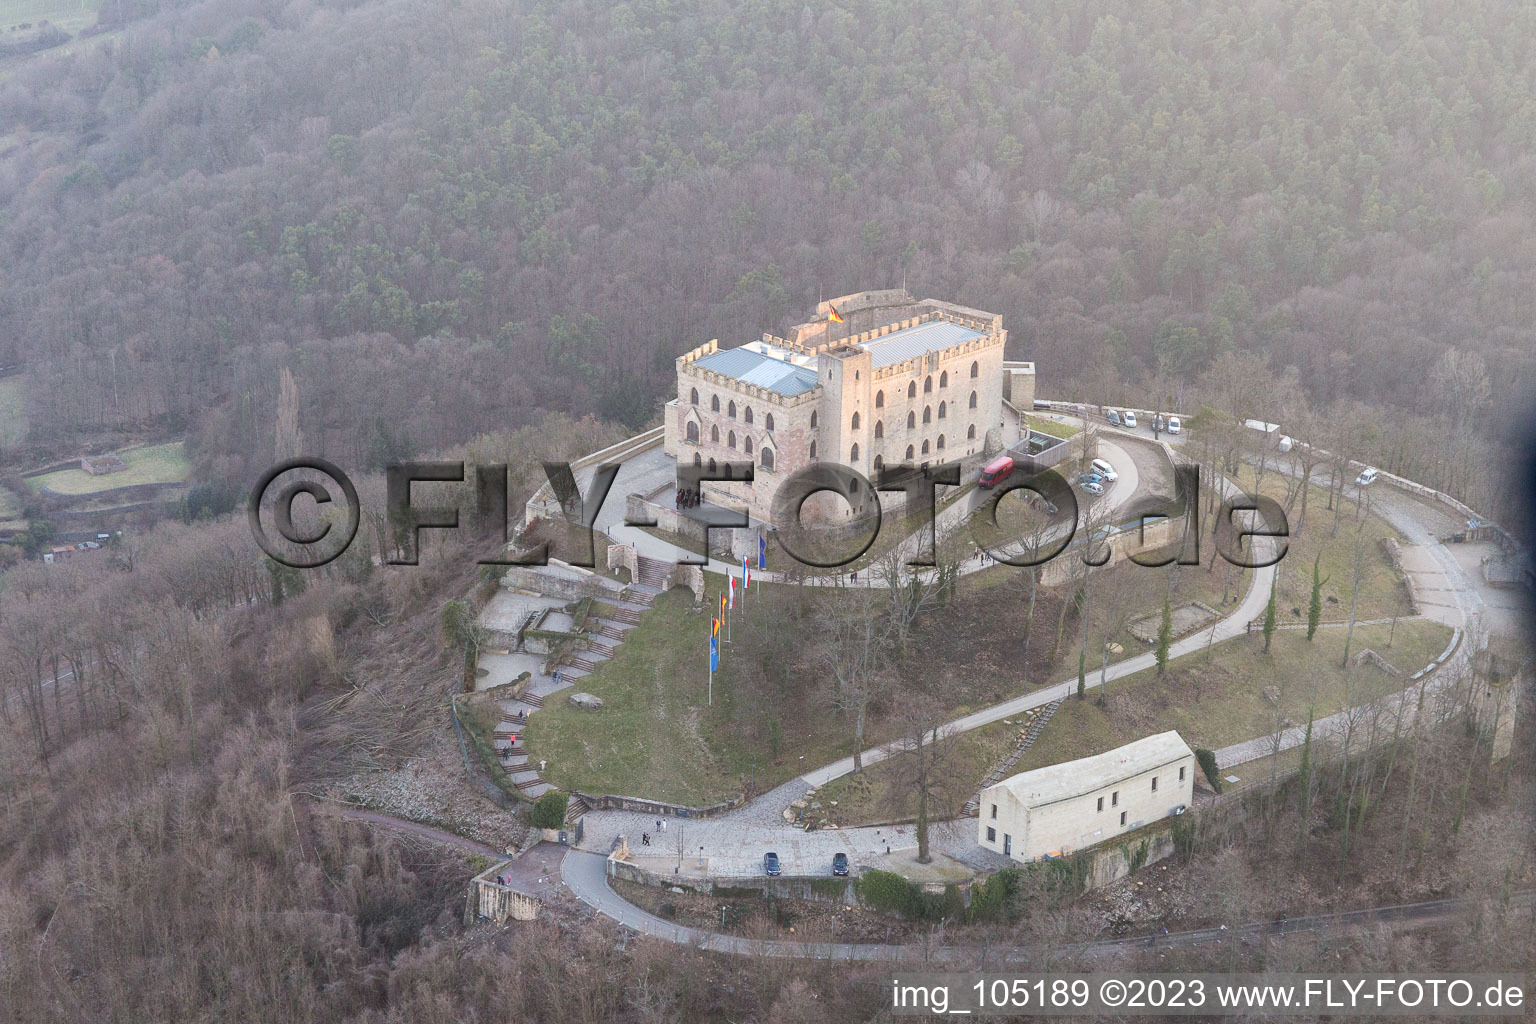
[
  {"x": 73, "y": 16},
  {"x": 1382, "y": 592},
  {"x": 1212, "y": 701},
  {"x": 148, "y": 464},
  {"x": 655, "y": 735},
  {"x": 1217, "y": 699},
  {"x": 1055, "y": 429},
  {"x": 13, "y": 409},
  {"x": 70, "y": 15}
]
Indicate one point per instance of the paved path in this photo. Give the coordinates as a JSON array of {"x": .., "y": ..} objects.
[
  {"x": 586, "y": 877},
  {"x": 1457, "y": 603}
]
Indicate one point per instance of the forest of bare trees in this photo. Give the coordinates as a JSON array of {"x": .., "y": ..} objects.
[{"x": 445, "y": 220}]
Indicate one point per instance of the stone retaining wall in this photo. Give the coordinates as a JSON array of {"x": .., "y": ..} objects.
[{"x": 609, "y": 802}]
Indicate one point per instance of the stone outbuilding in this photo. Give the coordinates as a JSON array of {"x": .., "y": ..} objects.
[{"x": 1062, "y": 808}]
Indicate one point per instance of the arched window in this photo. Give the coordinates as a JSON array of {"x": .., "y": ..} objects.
[
  {"x": 767, "y": 457},
  {"x": 855, "y": 421},
  {"x": 925, "y": 447},
  {"x": 879, "y": 463},
  {"x": 813, "y": 420},
  {"x": 768, "y": 423},
  {"x": 912, "y": 390},
  {"x": 911, "y": 420},
  {"x": 973, "y": 399},
  {"x": 853, "y": 453},
  {"x": 730, "y": 440},
  {"x": 698, "y": 460},
  {"x": 927, "y": 414},
  {"x": 928, "y": 384},
  {"x": 975, "y": 370},
  {"x": 879, "y": 399},
  {"x": 693, "y": 433},
  {"x": 714, "y": 434},
  {"x": 970, "y": 432},
  {"x": 879, "y": 428},
  {"x": 944, "y": 379},
  {"x": 730, "y": 410},
  {"x": 910, "y": 453},
  {"x": 714, "y": 403},
  {"x": 943, "y": 406},
  {"x": 693, "y": 396},
  {"x": 940, "y": 445},
  {"x": 813, "y": 449},
  {"x": 746, "y": 446},
  {"x": 713, "y": 468},
  {"x": 748, "y": 416}
]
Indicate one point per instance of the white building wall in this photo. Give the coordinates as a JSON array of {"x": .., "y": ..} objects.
[{"x": 1081, "y": 819}]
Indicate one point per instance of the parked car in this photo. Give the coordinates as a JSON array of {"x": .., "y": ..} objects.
[
  {"x": 1128, "y": 418},
  {"x": 1286, "y": 443},
  {"x": 770, "y": 863},
  {"x": 995, "y": 471},
  {"x": 1367, "y": 476},
  {"x": 1113, "y": 417},
  {"x": 839, "y": 864},
  {"x": 1105, "y": 470},
  {"x": 1175, "y": 425},
  {"x": 1093, "y": 488},
  {"x": 1089, "y": 478}
]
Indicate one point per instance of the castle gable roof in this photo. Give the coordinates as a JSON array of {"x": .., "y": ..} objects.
[
  {"x": 761, "y": 370},
  {"x": 918, "y": 340}
]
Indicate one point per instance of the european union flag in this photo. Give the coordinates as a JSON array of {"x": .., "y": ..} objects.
[
  {"x": 762, "y": 552},
  {"x": 714, "y": 654}
]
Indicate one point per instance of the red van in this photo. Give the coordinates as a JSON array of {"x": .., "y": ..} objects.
[{"x": 996, "y": 470}]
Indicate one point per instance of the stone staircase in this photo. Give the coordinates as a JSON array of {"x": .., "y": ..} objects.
[
  {"x": 575, "y": 809},
  {"x": 1000, "y": 771},
  {"x": 653, "y": 574},
  {"x": 620, "y": 613}
]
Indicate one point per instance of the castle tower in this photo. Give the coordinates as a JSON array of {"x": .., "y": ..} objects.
[{"x": 844, "y": 427}]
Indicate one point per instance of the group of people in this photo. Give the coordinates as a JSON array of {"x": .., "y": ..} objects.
[
  {"x": 688, "y": 499},
  {"x": 645, "y": 837}
]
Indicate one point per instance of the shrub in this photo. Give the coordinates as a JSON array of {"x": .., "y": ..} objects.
[
  {"x": 548, "y": 811},
  {"x": 887, "y": 891}
]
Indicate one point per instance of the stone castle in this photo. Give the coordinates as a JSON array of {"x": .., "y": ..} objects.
[{"x": 899, "y": 381}]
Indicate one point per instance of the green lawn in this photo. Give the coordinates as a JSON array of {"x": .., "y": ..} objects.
[
  {"x": 13, "y": 409},
  {"x": 656, "y": 736},
  {"x": 70, "y": 15},
  {"x": 1045, "y": 426},
  {"x": 1382, "y": 591},
  {"x": 147, "y": 464},
  {"x": 1218, "y": 699},
  {"x": 1211, "y": 702}
]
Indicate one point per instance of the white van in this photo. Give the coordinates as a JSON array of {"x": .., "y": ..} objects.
[
  {"x": 1367, "y": 476},
  {"x": 1174, "y": 426},
  {"x": 1105, "y": 470},
  {"x": 1286, "y": 444},
  {"x": 1128, "y": 418}
]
